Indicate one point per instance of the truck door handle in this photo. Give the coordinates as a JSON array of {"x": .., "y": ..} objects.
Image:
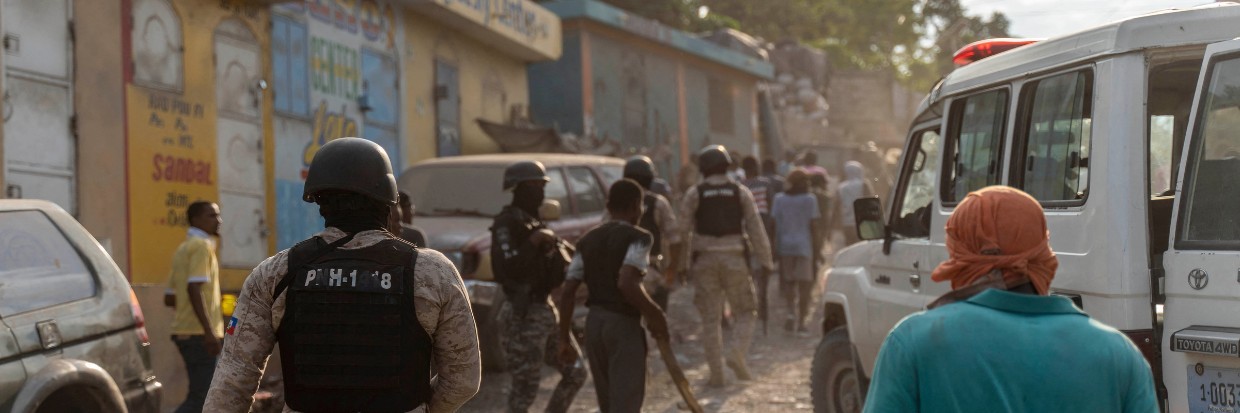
[{"x": 915, "y": 280}]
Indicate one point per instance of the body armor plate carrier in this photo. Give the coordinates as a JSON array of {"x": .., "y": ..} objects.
[
  {"x": 350, "y": 340},
  {"x": 719, "y": 209}
]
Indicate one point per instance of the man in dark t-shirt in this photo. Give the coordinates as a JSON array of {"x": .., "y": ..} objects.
[{"x": 611, "y": 260}]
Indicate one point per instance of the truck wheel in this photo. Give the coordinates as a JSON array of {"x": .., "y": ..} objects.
[
  {"x": 490, "y": 337},
  {"x": 833, "y": 383}
]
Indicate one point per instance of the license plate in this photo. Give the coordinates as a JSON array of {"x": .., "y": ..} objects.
[{"x": 1212, "y": 390}]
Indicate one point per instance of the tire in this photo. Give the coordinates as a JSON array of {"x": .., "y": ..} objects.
[
  {"x": 490, "y": 338},
  {"x": 834, "y": 384}
]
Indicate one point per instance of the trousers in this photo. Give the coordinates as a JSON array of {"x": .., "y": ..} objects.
[
  {"x": 525, "y": 341},
  {"x": 616, "y": 345},
  {"x": 719, "y": 277},
  {"x": 200, "y": 367}
]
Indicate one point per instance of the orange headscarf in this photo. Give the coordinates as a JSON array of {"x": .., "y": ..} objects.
[{"x": 998, "y": 228}]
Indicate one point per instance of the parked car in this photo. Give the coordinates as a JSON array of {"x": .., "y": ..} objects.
[
  {"x": 456, "y": 199},
  {"x": 72, "y": 336}
]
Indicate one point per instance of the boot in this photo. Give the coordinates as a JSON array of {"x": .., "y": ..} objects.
[
  {"x": 737, "y": 364},
  {"x": 716, "y": 379}
]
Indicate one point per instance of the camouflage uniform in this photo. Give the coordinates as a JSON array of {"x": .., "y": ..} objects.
[
  {"x": 719, "y": 270},
  {"x": 442, "y": 309},
  {"x": 526, "y": 346},
  {"x": 527, "y": 276}
]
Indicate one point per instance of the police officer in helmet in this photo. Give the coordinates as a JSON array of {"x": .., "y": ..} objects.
[
  {"x": 360, "y": 315},
  {"x": 723, "y": 229},
  {"x": 529, "y": 261},
  {"x": 660, "y": 221}
]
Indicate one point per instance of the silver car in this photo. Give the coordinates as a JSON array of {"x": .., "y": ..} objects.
[{"x": 72, "y": 336}]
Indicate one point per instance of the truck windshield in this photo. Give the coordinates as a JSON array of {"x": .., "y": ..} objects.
[{"x": 457, "y": 190}]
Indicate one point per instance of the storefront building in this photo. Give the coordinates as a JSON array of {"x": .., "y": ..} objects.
[{"x": 645, "y": 87}]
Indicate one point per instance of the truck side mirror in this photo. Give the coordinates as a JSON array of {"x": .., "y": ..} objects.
[
  {"x": 868, "y": 213},
  {"x": 549, "y": 211}
]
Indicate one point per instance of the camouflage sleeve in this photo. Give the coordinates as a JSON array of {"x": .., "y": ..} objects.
[
  {"x": 755, "y": 229},
  {"x": 444, "y": 311},
  {"x": 667, "y": 223},
  {"x": 248, "y": 340},
  {"x": 688, "y": 208}
]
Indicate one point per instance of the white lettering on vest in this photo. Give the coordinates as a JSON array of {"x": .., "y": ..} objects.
[
  {"x": 310, "y": 275},
  {"x": 334, "y": 275}
]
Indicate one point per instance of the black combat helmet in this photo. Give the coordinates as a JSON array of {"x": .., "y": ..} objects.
[
  {"x": 712, "y": 157},
  {"x": 639, "y": 166},
  {"x": 524, "y": 171},
  {"x": 354, "y": 165}
]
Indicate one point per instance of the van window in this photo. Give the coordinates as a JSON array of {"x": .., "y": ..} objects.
[
  {"x": 1162, "y": 133},
  {"x": 1055, "y": 119},
  {"x": 917, "y": 179},
  {"x": 39, "y": 268},
  {"x": 1214, "y": 191},
  {"x": 586, "y": 191},
  {"x": 975, "y": 139},
  {"x": 557, "y": 190}
]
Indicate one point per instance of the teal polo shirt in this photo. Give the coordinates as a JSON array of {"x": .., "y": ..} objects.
[{"x": 1001, "y": 351}]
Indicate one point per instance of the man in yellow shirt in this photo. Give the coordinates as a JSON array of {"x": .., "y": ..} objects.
[{"x": 198, "y": 325}]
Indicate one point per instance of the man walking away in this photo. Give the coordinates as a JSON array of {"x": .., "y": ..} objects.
[
  {"x": 359, "y": 314},
  {"x": 723, "y": 227},
  {"x": 998, "y": 342},
  {"x": 796, "y": 218},
  {"x": 810, "y": 163},
  {"x": 770, "y": 172},
  {"x": 522, "y": 249},
  {"x": 818, "y": 187},
  {"x": 854, "y": 187},
  {"x": 408, "y": 232},
  {"x": 198, "y": 324},
  {"x": 659, "y": 220},
  {"x": 610, "y": 260}
]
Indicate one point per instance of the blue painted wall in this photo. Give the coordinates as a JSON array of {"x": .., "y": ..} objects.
[{"x": 555, "y": 89}]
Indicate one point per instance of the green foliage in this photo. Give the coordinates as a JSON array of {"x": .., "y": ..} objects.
[{"x": 913, "y": 38}]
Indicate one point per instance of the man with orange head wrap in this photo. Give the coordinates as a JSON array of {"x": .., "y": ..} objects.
[{"x": 998, "y": 342}]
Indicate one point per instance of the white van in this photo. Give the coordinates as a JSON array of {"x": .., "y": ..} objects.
[{"x": 1093, "y": 125}]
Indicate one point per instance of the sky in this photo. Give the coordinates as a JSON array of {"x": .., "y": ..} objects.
[{"x": 1050, "y": 18}]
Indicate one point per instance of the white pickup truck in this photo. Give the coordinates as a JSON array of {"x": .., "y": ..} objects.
[{"x": 1129, "y": 136}]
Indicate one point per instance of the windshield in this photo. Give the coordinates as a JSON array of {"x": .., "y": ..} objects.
[{"x": 457, "y": 190}]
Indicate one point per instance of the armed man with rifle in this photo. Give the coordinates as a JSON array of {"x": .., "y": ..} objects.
[
  {"x": 529, "y": 261},
  {"x": 723, "y": 227}
]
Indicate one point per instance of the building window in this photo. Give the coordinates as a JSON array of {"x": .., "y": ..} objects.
[
  {"x": 290, "y": 66},
  {"x": 722, "y": 107}
]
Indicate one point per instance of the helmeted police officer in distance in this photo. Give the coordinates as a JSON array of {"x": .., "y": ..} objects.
[
  {"x": 528, "y": 260},
  {"x": 723, "y": 228},
  {"x": 660, "y": 221},
  {"x": 360, "y": 315}
]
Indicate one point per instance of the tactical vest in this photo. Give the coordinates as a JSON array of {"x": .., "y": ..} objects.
[
  {"x": 602, "y": 251},
  {"x": 719, "y": 210},
  {"x": 651, "y": 225},
  {"x": 350, "y": 339}
]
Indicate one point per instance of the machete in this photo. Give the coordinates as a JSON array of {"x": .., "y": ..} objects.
[{"x": 678, "y": 375}]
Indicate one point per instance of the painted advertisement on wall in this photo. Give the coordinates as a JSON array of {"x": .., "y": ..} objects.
[
  {"x": 195, "y": 130},
  {"x": 335, "y": 75}
]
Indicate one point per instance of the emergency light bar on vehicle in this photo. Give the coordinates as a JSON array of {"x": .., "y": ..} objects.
[{"x": 982, "y": 49}]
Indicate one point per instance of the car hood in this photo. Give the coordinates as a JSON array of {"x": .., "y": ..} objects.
[{"x": 452, "y": 233}]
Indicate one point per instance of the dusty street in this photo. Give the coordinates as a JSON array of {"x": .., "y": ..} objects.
[{"x": 779, "y": 361}]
